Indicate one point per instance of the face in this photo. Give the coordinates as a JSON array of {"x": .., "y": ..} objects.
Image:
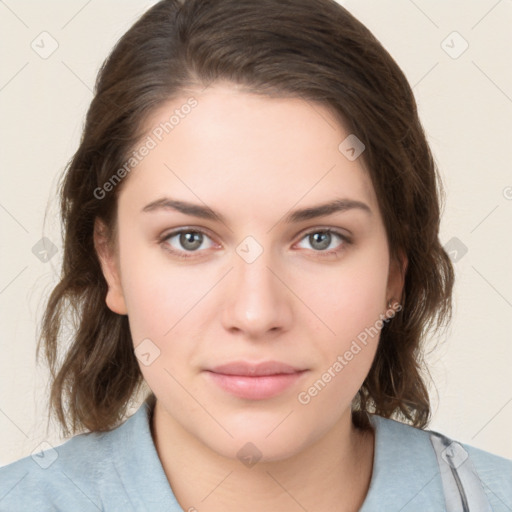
[{"x": 249, "y": 323}]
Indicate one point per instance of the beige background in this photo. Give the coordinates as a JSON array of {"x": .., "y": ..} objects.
[{"x": 466, "y": 107}]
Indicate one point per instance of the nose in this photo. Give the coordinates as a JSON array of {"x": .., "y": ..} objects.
[{"x": 258, "y": 302}]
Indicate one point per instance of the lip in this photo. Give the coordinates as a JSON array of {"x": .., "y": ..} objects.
[{"x": 255, "y": 381}]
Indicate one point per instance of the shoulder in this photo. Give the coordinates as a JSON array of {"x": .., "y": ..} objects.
[
  {"x": 72, "y": 476},
  {"x": 115, "y": 470},
  {"x": 495, "y": 473},
  {"x": 422, "y": 440},
  {"x": 429, "y": 460}
]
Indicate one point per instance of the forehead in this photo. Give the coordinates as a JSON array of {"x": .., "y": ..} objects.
[{"x": 238, "y": 151}]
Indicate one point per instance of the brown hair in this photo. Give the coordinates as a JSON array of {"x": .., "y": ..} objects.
[{"x": 310, "y": 49}]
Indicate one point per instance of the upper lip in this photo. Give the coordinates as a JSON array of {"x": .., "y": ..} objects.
[{"x": 255, "y": 369}]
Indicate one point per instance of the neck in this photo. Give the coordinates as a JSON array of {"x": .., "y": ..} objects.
[{"x": 333, "y": 473}]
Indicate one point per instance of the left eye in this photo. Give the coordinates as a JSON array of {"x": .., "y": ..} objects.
[{"x": 321, "y": 240}]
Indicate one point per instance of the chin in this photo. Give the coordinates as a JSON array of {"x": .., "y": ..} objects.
[
  {"x": 251, "y": 450},
  {"x": 262, "y": 439}
]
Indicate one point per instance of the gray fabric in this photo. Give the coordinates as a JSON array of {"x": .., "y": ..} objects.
[
  {"x": 463, "y": 491},
  {"x": 120, "y": 471}
]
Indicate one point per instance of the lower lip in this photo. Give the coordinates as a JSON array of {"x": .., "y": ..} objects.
[{"x": 255, "y": 388}]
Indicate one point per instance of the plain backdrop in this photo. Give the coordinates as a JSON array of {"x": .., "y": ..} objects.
[{"x": 455, "y": 54}]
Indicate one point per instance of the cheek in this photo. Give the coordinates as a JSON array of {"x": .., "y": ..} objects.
[
  {"x": 344, "y": 356},
  {"x": 160, "y": 300},
  {"x": 157, "y": 293},
  {"x": 164, "y": 302},
  {"x": 350, "y": 297},
  {"x": 349, "y": 302}
]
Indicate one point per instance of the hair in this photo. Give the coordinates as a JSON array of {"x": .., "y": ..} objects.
[{"x": 310, "y": 49}]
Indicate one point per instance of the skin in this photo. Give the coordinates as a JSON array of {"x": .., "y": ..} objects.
[{"x": 253, "y": 159}]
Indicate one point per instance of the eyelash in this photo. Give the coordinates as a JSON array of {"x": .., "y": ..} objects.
[{"x": 183, "y": 254}]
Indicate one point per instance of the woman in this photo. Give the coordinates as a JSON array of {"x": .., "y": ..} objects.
[{"x": 251, "y": 233}]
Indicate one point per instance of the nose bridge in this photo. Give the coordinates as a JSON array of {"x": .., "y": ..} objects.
[
  {"x": 258, "y": 301},
  {"x": 255, "y": 282}
]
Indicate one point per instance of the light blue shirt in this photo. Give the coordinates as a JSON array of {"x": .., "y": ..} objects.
[{"x": 120, "y": 471}]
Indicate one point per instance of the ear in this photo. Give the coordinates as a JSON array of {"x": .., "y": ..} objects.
[
  {"x": 110, "y": 268},
  {"x": 396, "y": 277}
]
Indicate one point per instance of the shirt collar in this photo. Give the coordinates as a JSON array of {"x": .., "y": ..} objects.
[
  {"x": 405, "y": 471},
  {"x": 139, "y": 467}
]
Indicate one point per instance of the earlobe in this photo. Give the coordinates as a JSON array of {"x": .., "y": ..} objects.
[{"x": 110, "y": 268}]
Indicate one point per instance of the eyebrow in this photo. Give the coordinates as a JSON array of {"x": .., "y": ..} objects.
[{"x": 312, "y": 212}]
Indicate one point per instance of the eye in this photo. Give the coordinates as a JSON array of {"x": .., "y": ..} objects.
[
  {"x": 322, "y": 239},
  {"x": 183, "y": 241}
]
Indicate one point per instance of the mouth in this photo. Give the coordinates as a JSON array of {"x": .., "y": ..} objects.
[{"x": 255, "y": 381}]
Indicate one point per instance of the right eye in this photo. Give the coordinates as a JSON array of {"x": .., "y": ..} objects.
[{"x": 185, "y": 240}]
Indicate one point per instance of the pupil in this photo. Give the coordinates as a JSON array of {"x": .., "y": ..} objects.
[
  {"x": 187, "y": 240},
  {"x": 324, "y": 241}
]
